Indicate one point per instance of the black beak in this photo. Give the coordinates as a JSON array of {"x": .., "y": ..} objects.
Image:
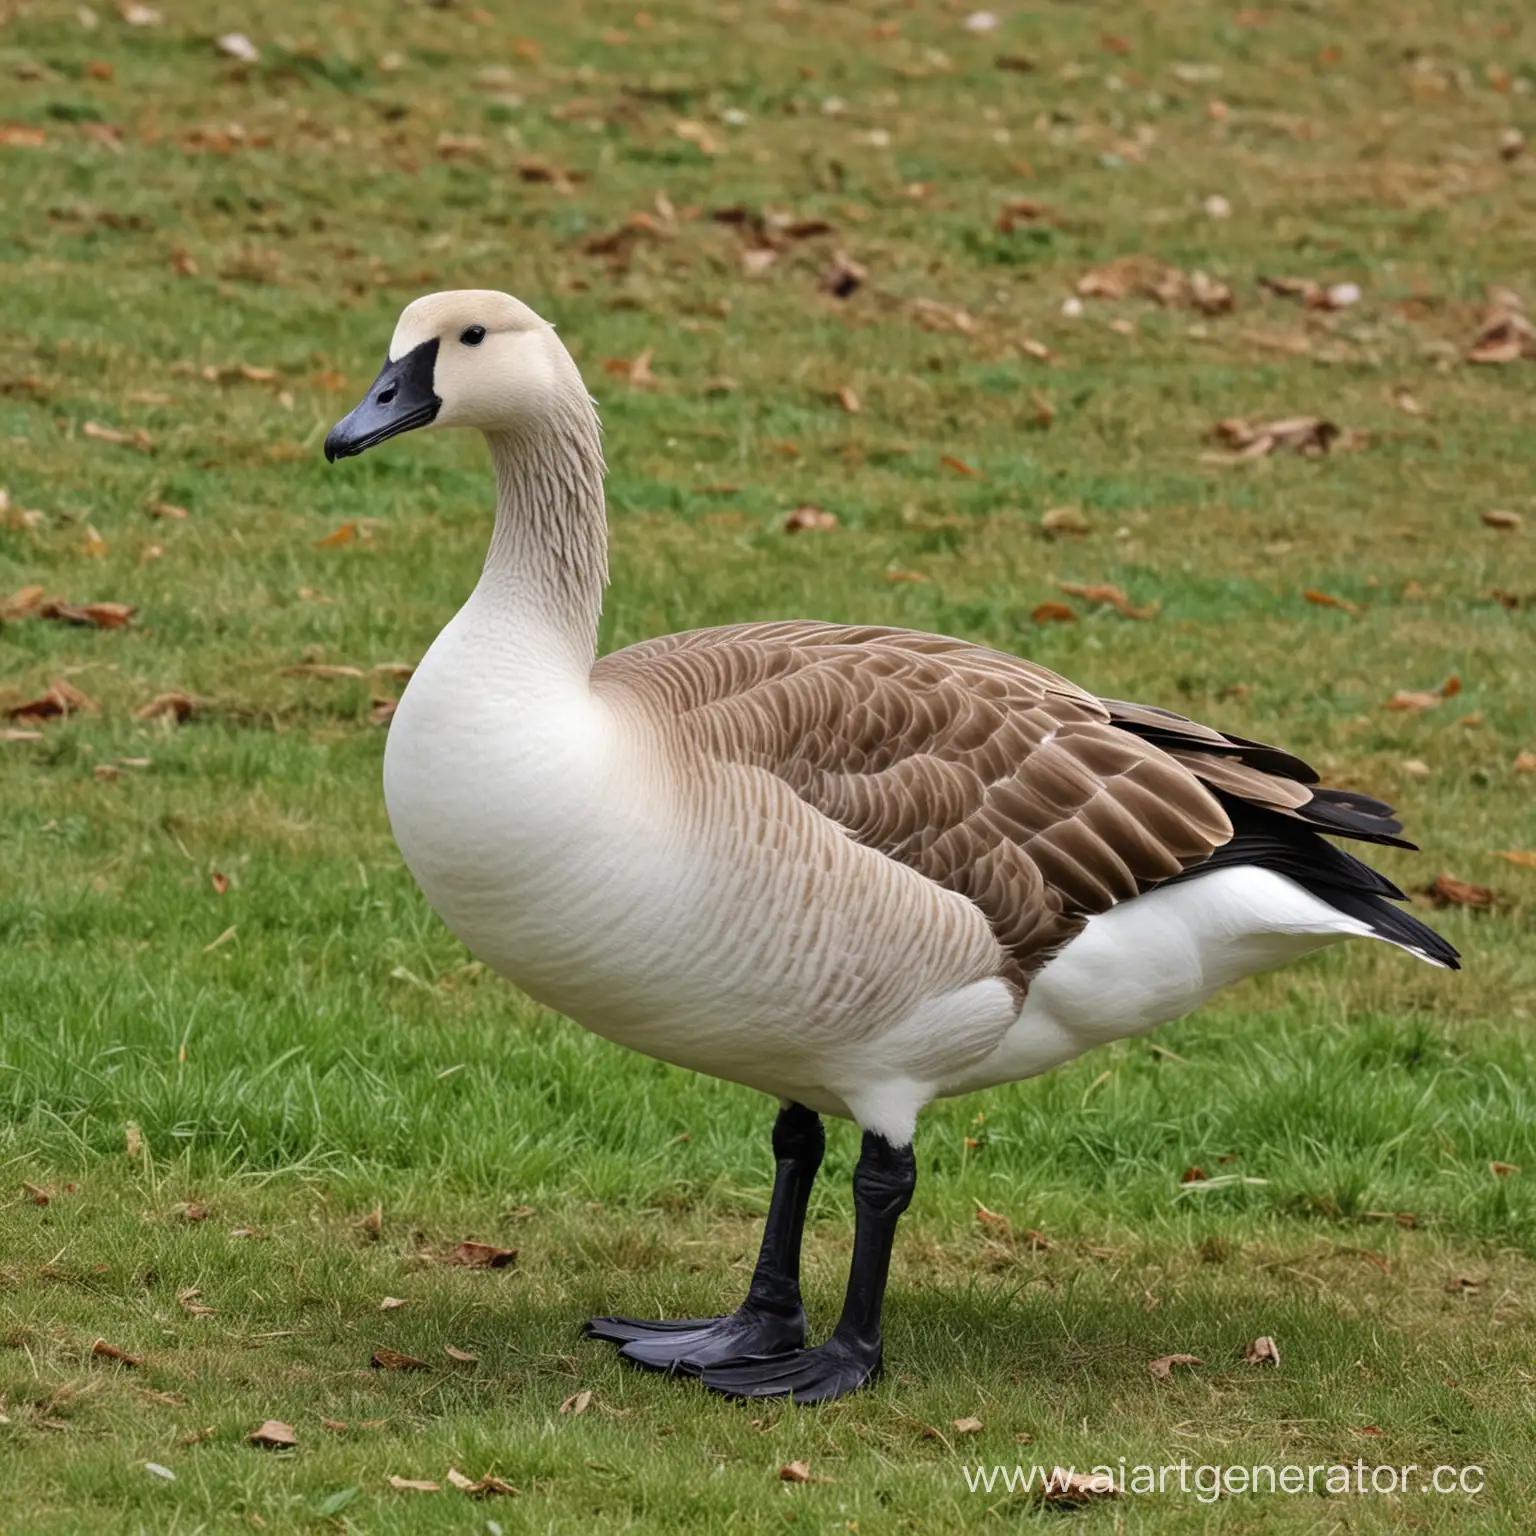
[{"x": 400, "y": 398}]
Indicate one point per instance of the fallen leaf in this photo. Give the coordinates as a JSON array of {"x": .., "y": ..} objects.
[
  {"x": 321, "y": 669},
  {"x": 236, "y": 45},
  {"x": 478, "y": 1488},
  {"x": 189, "y": 1210},
  {"x": 899, "y": 577},
  {"x": 393, "y": 1360},
  {"x": 1162, "y": 1368},
  {"x": 1328, "y": 600},
  {"x": 93, "y": 543},
  {"x": 169, "y": 510},
  {"x": 993, "y": 1218},
  {"x": 577, "y": 1403},
  {"x": 848, "y": 399},
  {"x": 21, "y": 604},
  {"x": 273, "y": 1435},
  {"x": 1060, "y": 520},
  {"x": 372, "y": 1225},
  {"x": 800, "y": 1472},
  {"x": 809, "y": 520},
  {"x": 1525, "y": 762},
  {"x": 1366, "y": 1429},
  {"x": 935, "y": 316},
  {"x": 968, "y": 1426},
  {"x": 1052, "y": 613},
  {"x": 1263, "y": 1351},
  {"x": 1063, "y": 1487},
  {"x": 843, "y": 277},
  {"x": 1310, "y": 436},
  {"x": 20, "y": 136},
  {"x": 138, "y": 15},
  {"x": 1505, "y": 336},
  {"x": 1447, "y": 891},
  {"x": 138, "y": 438},
  {"x": 413, "y": 1485},
  {"x": 960, "y": 467},
  {"x": 61, "y": 700},
  {"x": 1498, "y": 518},
  {"x": 1460, "y": 1285},
  {"x": 168, "y": 706},
  {"x": 91, "y": 615},
  {"x": 382, "y": 710},
  {"x": 391, "y": 1304},
  {"x": 337, "y": 537},
  {"x": 1022, "y": 211},
  {"x": 481, "y": 1256},
  {"x": 463, "y": 1356},
  {"x": 190, "y": 1303},
  {"x": 1103, "y": 592},
  {"x": 9, "y": 733},
  {"x": 1415, "y": 699},
  {"x": 1503, "y": 1170}
]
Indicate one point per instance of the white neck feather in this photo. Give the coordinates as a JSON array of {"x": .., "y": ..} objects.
[{"x": 548, "y": 561}]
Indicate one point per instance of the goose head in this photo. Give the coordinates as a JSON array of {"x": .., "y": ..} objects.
[{"x": 470, "y": 358}]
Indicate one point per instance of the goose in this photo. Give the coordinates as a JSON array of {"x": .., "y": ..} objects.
[{"x": 854, "y": 868}]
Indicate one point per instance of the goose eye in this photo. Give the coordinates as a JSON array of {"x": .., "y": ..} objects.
[{"x": 473, "y": 336}]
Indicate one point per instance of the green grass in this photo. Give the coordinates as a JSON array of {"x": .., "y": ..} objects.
[{"x": 310, "y": 1044}]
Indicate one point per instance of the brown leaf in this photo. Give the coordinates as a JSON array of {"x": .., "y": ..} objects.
[
  {"x": 220, "y": 883},
  {"x": 481, "y": 1256},
  {"x": 92, "y": 615},
  {"x": 372, "y": 1224},
  {"x": 413, "y": 1485},
  {"x": 960, "y": 467},
  {"x": 844, "y": 277},
  {"x": 19, "y": 136},
  {"x": 935, "y": 316},
  {"x": 477, "y": 1489},
  {"x": 577, "y": 1403},
  {"x": 1525, "y": 762},
  {"x": 1074, "y": 1488},
  {"x": 899, "y": 577},
  {"x": 322, "y": 670},
  {"x": 190, "y": 1303},
  {"x": 1310, "y": 436},
  {"x": 1499, "y": 518},
  {"x": 968, "y": 1426},
  {"x": 381, "y": 710},
  {"x": 393, "y": 1360},
  {"x": 21, "y": 604},
  {"x": 1019, "y": 213},
  {"x": 189, "y": 1210},
  {"x": 61, "y": 700},
  {"x": 273, "y": 1435},
  {"x": 1459, "y": 1285},
  {"x": 809, "y": 520},
  {"x": 848, "y": 399},
  {"x": 1060, "y": 520},
  {"x": 168, "y": 706},
  {"x": 800, "y": 1472},
  {"x": 107, "y": 1351},
  {"x": 1503, "y": 1170},
  {"x": 1162, "y": 1368},
  {"x": 1193, "y": 1175},
  {"x": 338, "y": 536},
  {"x": 391, "y": 1304},
  {"x": 168, "y": 510},
  {"x": 1447, "y": 891},
  {"x": 1103, "y": 592},
  {"x": 1505, "y": 336},
  {"x": 138, "y": 438},
  {"x": 1524, "y": 857},
  {"x": 1263, "y": 1351},
  {"x": 463, "y": 1356},
  {"x": 1328, "y": 600},
  {"x": 1052, "y": 613},
  {"x": 993, "y": 1218}
]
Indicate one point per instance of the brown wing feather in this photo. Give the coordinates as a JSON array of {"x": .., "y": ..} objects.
[{"x": 991, "y": 775}]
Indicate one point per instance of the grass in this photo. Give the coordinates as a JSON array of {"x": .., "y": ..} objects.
[{"x": 297, "y": 1042}]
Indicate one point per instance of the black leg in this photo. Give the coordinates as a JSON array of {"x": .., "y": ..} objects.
[
  {"x": 882, "y": 1190},
  {"x": 771, "y": 1319}
]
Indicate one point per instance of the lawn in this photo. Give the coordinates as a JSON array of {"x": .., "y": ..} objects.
[{"x": 873, "y": 259}]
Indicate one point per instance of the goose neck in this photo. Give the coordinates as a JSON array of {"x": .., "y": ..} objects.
[{"x": 548, "y": 561}]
